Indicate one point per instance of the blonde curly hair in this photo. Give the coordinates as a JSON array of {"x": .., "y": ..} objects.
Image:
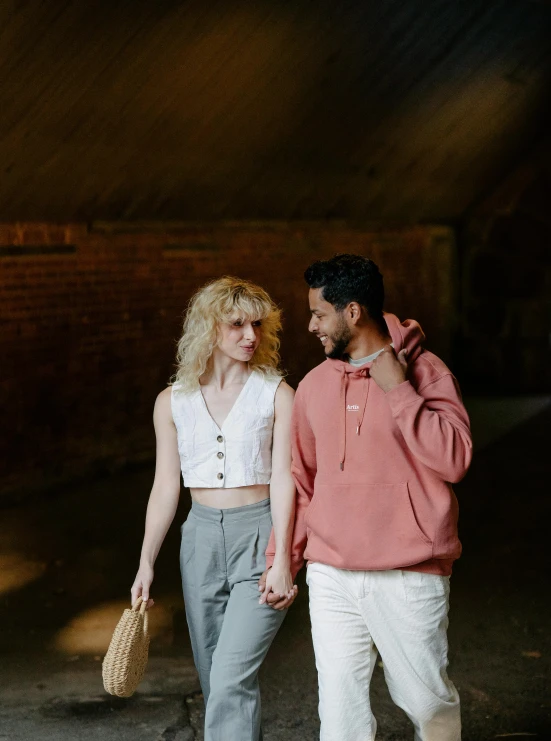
[{"x": 219, "y": 301}]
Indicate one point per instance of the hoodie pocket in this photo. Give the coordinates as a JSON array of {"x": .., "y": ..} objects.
[{"x": 365, "y": 526}]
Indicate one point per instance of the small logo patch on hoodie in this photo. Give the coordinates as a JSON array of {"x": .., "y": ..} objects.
[{"x": 352, "y": 408}]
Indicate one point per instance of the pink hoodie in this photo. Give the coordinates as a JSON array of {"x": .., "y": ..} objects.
[{"x": 373, "y": 470}]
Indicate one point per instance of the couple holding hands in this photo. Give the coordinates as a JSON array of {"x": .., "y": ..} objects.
[{"x": 351, "y": 474}]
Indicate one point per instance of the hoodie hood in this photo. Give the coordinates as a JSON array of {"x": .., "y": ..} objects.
[
  {"x": 407, "y": 334},
  {"x": 404, "y": 335}
]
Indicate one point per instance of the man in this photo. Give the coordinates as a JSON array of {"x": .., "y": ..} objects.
[{"x": 379, "y": 435}]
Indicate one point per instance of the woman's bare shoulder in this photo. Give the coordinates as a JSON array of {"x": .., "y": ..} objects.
[
  {"x": 165, "y": 395},
  {"x": 163, "y": 404},
  {"x": 284, "y": 394}
]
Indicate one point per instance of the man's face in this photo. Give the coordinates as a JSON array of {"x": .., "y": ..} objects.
[{"x": 328, "y": 324}]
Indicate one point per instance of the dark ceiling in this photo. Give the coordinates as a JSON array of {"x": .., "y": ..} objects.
[{"x": 402, "y": 110}]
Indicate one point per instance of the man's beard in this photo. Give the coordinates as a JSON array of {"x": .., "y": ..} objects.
[{"x": 339, "y": 340}]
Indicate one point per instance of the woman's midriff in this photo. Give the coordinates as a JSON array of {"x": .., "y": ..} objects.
[{"x": 228, "y": 498}]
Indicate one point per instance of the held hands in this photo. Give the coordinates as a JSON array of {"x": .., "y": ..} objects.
[
  {"x": 388, "y": 369},
  {"x": 276, "y": 587},
  {"x": 142, "y": 584}
]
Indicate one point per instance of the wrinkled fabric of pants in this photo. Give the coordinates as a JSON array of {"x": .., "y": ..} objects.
[
  {"x": 404, "y": 616},
  {"x": 221, "y": 559}
]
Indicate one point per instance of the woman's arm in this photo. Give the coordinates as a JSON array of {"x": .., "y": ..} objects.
[
  {"x": 282, "y": 496},
  {"x": 303, "y": 470},
  {"x": 164, "y": 496}
]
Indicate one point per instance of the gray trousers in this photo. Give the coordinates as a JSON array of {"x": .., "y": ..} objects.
[{"x": 222, "y": 558}]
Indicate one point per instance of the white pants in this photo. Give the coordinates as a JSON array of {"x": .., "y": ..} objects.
[{"x": 403, "y": 615}]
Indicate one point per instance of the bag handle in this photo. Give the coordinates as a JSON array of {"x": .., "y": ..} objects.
[
  {"x": 139, "y": 603},
  {"x": 142, "y": 605}
]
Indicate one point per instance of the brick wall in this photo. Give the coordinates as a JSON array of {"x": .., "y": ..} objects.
[{"x": 90, "y": 318}]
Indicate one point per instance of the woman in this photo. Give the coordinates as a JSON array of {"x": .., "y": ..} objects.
[{"x": 225, "y": 422}]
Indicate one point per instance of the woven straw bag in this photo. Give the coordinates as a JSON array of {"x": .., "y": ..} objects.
[{"x": 126, "y": 658}]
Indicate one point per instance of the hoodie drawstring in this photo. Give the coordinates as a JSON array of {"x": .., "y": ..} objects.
[
  {"x": 404, "y": 335},
  {"x": 344, "y": 390},
  {"x": 361, "y": 416}
]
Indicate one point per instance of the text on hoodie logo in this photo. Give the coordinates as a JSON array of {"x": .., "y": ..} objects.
[{"x": 352, "y": 408}]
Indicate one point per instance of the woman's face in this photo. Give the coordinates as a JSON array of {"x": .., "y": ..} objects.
[{"x": 238, "y": 338}]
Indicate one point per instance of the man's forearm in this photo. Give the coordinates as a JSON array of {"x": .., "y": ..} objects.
[{"x": 435, "y": 426}]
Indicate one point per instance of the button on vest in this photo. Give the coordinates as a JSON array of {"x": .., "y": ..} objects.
[{"x": 239, "y": 453}]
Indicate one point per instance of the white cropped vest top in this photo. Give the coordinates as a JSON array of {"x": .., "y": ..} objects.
[{"x": 237, "y": 454}]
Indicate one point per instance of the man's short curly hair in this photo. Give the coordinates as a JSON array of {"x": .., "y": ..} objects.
[{"x": 345, "y": 278}]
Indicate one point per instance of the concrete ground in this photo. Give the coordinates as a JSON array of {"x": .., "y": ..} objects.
[{"x": 67, "y": 561}]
